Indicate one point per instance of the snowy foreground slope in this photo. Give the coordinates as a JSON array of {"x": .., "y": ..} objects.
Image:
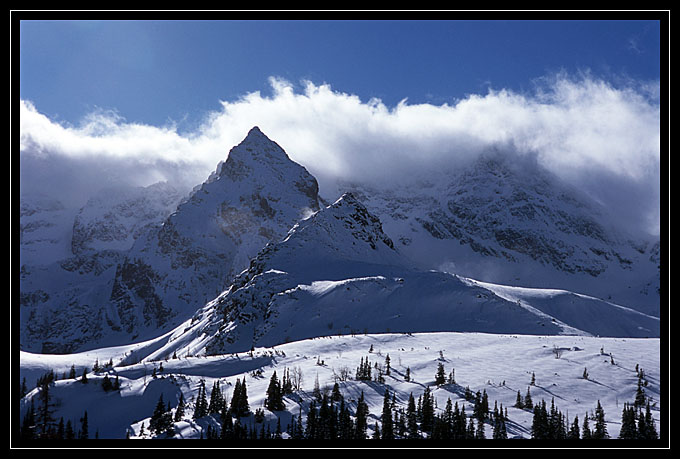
[{"x": 501, "y": 365}]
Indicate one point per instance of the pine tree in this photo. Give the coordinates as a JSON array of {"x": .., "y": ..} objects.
[
  {"x": 274, "y": 399},
  {"x": 411, "y": 418},
  {"x": 336, "y": 395},
  {"x": 640, "y": 397},
  {"x": 600, "y": 431},
  {"x": 239, "y": 400},
  {"x": 574, "y": 432},
  {"x": 519, "y": 403},
  {"x": 628, "y": 427},
  {"x": 43, "y": 415},
  {"x": 587, "y": 433},
  {"x": 539, "y": 425},
  {"x": 651, "y": 434},
  {"x": 386, "y": 418},
  {"x": 528, "y": 402},
  {"x": 216, "y": 399},
  {"x": 479, "y": 433},
  {"x": 387, "y": 365},
  {"x": 361, "y": 422},
  {"x": 427, "y": 411},
  {"x": 181, "y": 407},
  {"x": 376, "y": 432},
  {"x": 440, "y": 377},
  {"x": 69, "y": 434},
  {"x": 407, "y": 376},
  {"x": 646, "y": 425},
  {"x": 201, "y": 408},
  {"x": 157, "y": 422},
  {"x": 84, "y": 428},
  {"x": 106, "y": 383},
  {"x": 72, "y": 372}
]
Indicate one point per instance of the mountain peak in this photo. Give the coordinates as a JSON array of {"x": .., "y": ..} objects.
[{"x": 255, "y": 150}]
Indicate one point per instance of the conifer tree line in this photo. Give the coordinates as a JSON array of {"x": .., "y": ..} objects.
[{"x": 328, "y": 416}]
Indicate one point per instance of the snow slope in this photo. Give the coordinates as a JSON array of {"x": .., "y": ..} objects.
[
  {"x": 505, "y": 219},
  {"x": 501, "y": 365},
  {"x": 337, "y": 272}
]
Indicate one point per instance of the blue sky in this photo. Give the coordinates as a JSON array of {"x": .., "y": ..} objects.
[
  {"x": 110, "y": 103},
  {"x": 158, "y": 71}
]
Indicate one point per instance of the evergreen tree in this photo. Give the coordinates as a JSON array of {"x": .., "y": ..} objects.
[
  {"x": 239, "y": 400},
  {"x": 479, "y": 433},
  {"x": 72, "y": 372},
  {"x": 386, "y": 418},
  {"x": 411, "y": 418},
  {"x": 440, "y": 377},
  {"x": 83, "y": 379},
  {"x": 427, "y": 411},
  {"x": 274, "y": 399},
  {"x": 363, "y": 372},
  {"x": 407, "y": 375},
  {"x": 181, "y": 407},
  {"x": 84, "y": 428},
  {"x": 216, "y": 399},
  {"x": 539, "y": 426},
  {"x": 574, "y": 432},
  {"x": 106, "y": 383},
  {"x": 336, "y": 395},
  {"x": 640, "y": 397},
  {"x": 376, "y": 432},
  {"x": 600, "y": 431},
  {"x": 587, "y": 433},
  {"x": 345, "y": 425},
  {"x": 651, "y": 433},
  {"x": 646, "y": 425},
  {"x": 201, "y": 407},
  {"x": 387, "y": 365},
  {"x": 528, "y": 402},
  {"x": 628, "y": 427},
  {"x": 227, "y": 423},
  {"x": 43, "y": 416},
  {"x": 160, "y": 422},
  {"x": 519, "y": 403},
  {"x": 316, "y": 392},
  {"x": 452, "y": 377},
  {"x": 361, "y": 422},
  {"x": 69, "y": 434}
]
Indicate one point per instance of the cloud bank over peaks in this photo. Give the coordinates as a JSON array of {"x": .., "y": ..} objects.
[{"x": 602, "y": 138}]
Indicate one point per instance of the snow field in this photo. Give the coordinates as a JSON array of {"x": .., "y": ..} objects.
[{"x": 499, "y": 364}]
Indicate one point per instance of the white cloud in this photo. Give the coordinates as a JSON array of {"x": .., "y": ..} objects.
[{"x": 583, "y": 129}]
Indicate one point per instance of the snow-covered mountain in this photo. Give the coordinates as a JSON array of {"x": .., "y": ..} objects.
[
  {"x": 68, "y": 260},
  {"x": 254, "y": 197},
  {"x": 133, "y": 272},
  {"x": 135, "y": 269},
  {"x": 504, "y": 218},
  {"x": 114, "y": 219},
  {"x": 337, "y": 272}
]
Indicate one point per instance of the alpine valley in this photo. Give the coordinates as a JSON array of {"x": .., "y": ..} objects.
[{"x": 514, "y": 284}]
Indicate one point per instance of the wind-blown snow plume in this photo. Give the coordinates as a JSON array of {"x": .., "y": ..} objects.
[{"x": 603, "y": 138}]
